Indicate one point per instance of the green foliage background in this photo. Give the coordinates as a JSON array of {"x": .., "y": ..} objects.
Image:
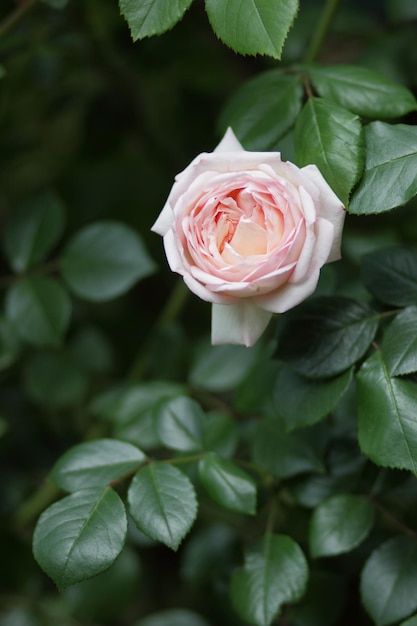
[{"x": 303, "y": 467}]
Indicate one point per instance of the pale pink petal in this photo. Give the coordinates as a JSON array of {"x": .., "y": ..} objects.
[
  {"x": 172, "y": 252},
  {"x": 164, "y": 221},
  {"x": 206, "y": 294},
  {"x": 241, "y": 323},
  {"x": 289, "y": 295},
  {"x": 229, "y": 143},
  {"x": 331, "y": 208}
]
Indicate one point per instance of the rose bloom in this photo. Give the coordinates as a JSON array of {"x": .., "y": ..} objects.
[{"x": 249, "y": 233}]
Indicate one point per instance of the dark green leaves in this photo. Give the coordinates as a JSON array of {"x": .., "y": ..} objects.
[
  {"x": 227, "y": 484},
  {"x": 80, "y": 536},
  {"x": 162, "y": 502},
  {"x": 391, "y": 276},
  {"x": 399, "y": 346},
  {"x": 275, "y": 572},
  {"x": 95, "y": 463},
  {"x": 33, "y": 229},
  {"x": 339, "y": 524},
  {"x": 389, "y": 178},
  {"x": 301, "y": 401},
  {"x": 104, "y": 260},
  {"x": 152, "y": 17},
  {"x": 331, "y": 137},
  {"x": 361, "y": 90},
  {"x": 39, "y": 309},
  {"x": 252, "y": 26},
  {"x": 263, "y": 110},
  {"x": 327, "y": 335},
  {"x": 387, "y": 416},
  {"x": 179, "y": 423},
  {"x": 389, "y": 581}
]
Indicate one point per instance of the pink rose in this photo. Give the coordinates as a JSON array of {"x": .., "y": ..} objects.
[{"x": 249, "y": 233}]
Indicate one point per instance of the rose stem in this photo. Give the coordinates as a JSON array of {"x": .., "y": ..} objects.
[{"x": 321, "y": 31}]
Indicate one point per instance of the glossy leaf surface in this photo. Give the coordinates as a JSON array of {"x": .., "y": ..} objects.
[
  {"x": 163, "y": 503},
  {"x": 275, "y": 572},
  {"x": 95, "y": 463},
  {"x": 228, "y": 484},
  {"x": 252, "y": 26},
  {"x": 80, "y": 536}
]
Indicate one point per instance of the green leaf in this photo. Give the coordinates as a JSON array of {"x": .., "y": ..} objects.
[
  {"x": 152, "y": 17},
  {"x": 220, "y": 433},
  {"x": 104, "y": 260},
  {"x": 221, "y": 368},
  {"x": 173, "y": 617},
  {"x": 275, "y": 573},
  {"x": 339, "y": 524},
  {"x": 179, "y": 423},
  {"x": 389, "y": 178},
  {"x": 252, "y": 26},
  {"x": 129, "y": 408},
  {"x": 54, "y": 380},
  {"x": 387, "y": 416},
  {"x": 330, "y": 136},
  {"x": 399, "y": 345},
  {"x": 285, "y": 454},
  {"x": 326, "y": 336},
  {"x": 39, "y": 309},
  {"x": 361, "y": 90},
  {"x": 391, "y": 276},
  {"x": 410, "y": 622},
  {"x": 80, "y": 536},
  {"x": 163, "y": 503},
  {"x": 263, "y": 110},
  {"x": 389, "y": 580},
  {"x": 301, "y": 401},
  {"x": 33, "y": 229},
  {"x": 227, "y": 484},
  {"x": 95, "y": 464},
  {"x": 2, "y": 72},
  {"x": 9, "y": 344}
]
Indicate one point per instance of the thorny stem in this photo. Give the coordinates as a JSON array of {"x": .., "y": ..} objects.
[
  {"x": 15, "y": 16},
  {"x": 321, "y": 31}
]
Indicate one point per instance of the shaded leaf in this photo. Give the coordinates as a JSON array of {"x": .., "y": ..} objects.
[
  {"x": 263, "y": 110},
  {"x": 326, "y": 336},
  {"x": 39, "y": 309},
  {"x": 399, "y": 345},
  {"x": 152, "y": 17},
  {"x": 220, "y": 433},
  {"x": 104, "y": 260},
  {"x": 252, "y": 26},
  {"x": 275, "y": 573},
  {"x": 285, "y": 454},
  {"x": 163, "y": 503},
  {"x": 173, "y": 617},
  {"x": 339, "y": 524},
  {"x": 389, "y": 580},
  {"x": 387, "y": 416},
  {"x": 227, "y": 484},
  {"x": 33, "y": 229},
  {"x": 95, "y": 463},
  {"x": 302, "y": 401},
  {"x": 179, "y": 423},
  {"x": 391, "y": 276},
  {"x": 80, "y": 536},
  {"x": 361, "y": 90},
  {"x": 391, "y": 163},
  {"x": 330, "y": 136}
]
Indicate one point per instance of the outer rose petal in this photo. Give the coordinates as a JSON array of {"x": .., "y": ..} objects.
[
  {"x": 241, "y": 323},
  {"x": 330, "y": 207},
  {"x": 229, "y": 143}
]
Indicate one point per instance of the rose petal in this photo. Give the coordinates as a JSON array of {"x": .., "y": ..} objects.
[
  {"x": 229, "y": 143},
  {"x": 164, "y": 220},
  {"x": 289, "y": 295},
  {"x": 330, "y": 207},
  {"x": 240, "y": 323}
]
